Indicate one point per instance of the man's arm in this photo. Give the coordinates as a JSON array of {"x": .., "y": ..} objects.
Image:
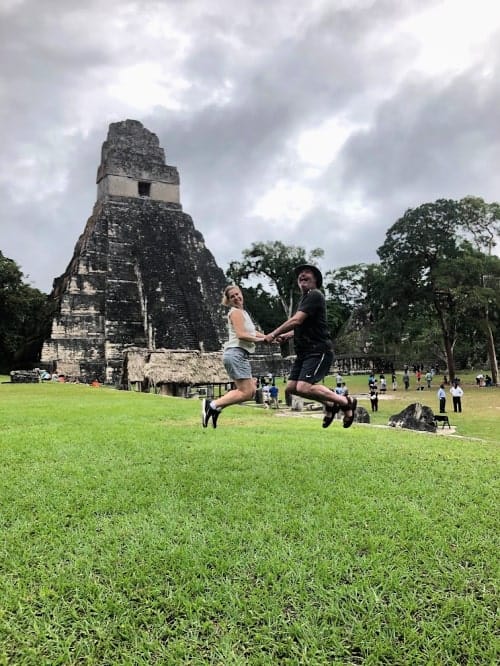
[{"x": 298, "y": 318}]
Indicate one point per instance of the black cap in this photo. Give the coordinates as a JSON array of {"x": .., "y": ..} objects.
[{"x": 316, "y": 272}]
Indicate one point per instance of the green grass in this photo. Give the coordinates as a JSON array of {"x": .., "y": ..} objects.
[
  {"x": 132, "y": 536},
  {"x": 481, "y": 407}
]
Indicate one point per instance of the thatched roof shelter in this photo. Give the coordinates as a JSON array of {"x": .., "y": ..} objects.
[
  {"x": 185, "y": 366},
  {"x": 172, "y": 370},
  {"x": 134, "y": 362},
  {"x": 172, "y": 367}
]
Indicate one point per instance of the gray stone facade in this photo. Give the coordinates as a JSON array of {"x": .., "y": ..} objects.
[{"x": 141, "y": 275}]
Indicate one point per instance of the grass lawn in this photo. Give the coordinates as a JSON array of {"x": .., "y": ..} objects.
[{"x": 130, "y": 535}]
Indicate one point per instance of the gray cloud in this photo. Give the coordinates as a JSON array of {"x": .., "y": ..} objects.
[
  {"x": 229, "y": 94},
  {"x": 429, "y": 141}
]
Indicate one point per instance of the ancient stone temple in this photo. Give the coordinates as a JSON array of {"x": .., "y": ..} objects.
[{"x": 141, "y": 275}]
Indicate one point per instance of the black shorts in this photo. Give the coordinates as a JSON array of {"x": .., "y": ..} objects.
[{"x": 311, "y": 368}]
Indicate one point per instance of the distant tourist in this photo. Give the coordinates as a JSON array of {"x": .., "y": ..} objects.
[
  {"x": 441, "y": 394},
  {"x": 418, "y": 375},
  {"x": 406, "y": 379},
  {"x": 273, "y": 393},
  {"x": 236, "y": 357},
  {"x": 428, "y": 379},
  {"x": 313, "y": 348},
  {"x": 383, "y": 384},
  {"x": 266, "y": 395},
  {"x": 456, "y": 394},
  {"x": 374, "y": 399}
]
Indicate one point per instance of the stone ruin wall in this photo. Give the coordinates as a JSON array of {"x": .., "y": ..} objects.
[{"x": 141, "y": 275}]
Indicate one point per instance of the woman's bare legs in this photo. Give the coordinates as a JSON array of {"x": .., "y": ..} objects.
[{"x": 245, "y": 390}]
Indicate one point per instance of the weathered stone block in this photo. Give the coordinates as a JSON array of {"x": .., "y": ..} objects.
[{"x": 414, "y": 417}]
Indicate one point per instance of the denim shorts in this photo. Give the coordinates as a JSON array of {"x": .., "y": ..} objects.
[{"x": 237, "y": 363}]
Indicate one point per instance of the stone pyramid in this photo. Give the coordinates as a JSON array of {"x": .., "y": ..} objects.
[{"x": 141, "y": 275}]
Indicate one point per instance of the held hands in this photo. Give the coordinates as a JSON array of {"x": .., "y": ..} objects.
[{"x": 279, "y": 339}]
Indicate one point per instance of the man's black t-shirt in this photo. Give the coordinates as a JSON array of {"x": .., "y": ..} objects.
[{"x": 312, "y": 336}]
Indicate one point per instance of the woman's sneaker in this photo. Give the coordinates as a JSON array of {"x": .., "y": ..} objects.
[{"x": 208, "y": 413}]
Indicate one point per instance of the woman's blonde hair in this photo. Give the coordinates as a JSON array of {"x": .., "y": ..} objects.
[{"x": 225, "y": 299}]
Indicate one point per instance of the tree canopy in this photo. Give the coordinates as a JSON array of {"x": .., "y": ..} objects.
[
  {"x": 274, "y": 263},
  {"x": 432, "y": 257},
  {"x": 24, "y": 317}
]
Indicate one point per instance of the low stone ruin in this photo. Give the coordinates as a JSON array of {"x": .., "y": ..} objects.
[
  {"x": 361, "y": 415},
  {"x": 24, "y": 377},
  {"x": 414, "y": 417}
]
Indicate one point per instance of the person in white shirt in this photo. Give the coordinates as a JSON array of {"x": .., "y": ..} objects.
[{"x": 456, "y": 394}]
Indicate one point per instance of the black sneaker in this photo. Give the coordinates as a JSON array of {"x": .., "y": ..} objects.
[
  {"x": 208, "y": 413},
  {"x": 215, "y": 415},
  {"x": 329, "y": 413},
  {"x": 205, "y": 412}
]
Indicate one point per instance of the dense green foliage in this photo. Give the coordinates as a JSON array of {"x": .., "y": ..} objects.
[
  {"x": 274, "y": 263},
  {"x": 428, "y": 262},
  {"x": 132, "y": 536},
  {"x": 434, "y": 297},
  {"x": 24, "y": 317}
]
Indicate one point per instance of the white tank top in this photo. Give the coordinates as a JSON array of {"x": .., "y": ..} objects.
[{"x": 233, "y": 340}]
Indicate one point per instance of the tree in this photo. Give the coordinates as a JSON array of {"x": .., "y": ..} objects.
[
  {"x": 348, "y": 309},
  {"x": 481, "y": 303},
  {"x": 373, "y": 320},
  {"x": 348, "y": 285},
  {"x": 421, "y": 255},
  {"x": 491, "y": 281},
  {"x": 264, "y": 307},
  {"x": 274, "y": 261},
  {"x": 484, "y": 222},
  {"x": 481, "y": 222},
  {"x": 24, "y": 317}
]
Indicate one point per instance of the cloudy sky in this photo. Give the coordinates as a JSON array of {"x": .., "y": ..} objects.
[{"x": 315, "y": 123}]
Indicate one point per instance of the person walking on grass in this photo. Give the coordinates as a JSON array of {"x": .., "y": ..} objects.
[
  {"x": 242, "y": 336},
  {"x": 313, "y": 348},
  {"x": 406, "y": 379}
]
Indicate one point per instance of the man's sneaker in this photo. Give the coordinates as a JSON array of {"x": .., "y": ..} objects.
[
  {"x": 215, "y": 415},
  {"x": 208, "y": 413}
]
